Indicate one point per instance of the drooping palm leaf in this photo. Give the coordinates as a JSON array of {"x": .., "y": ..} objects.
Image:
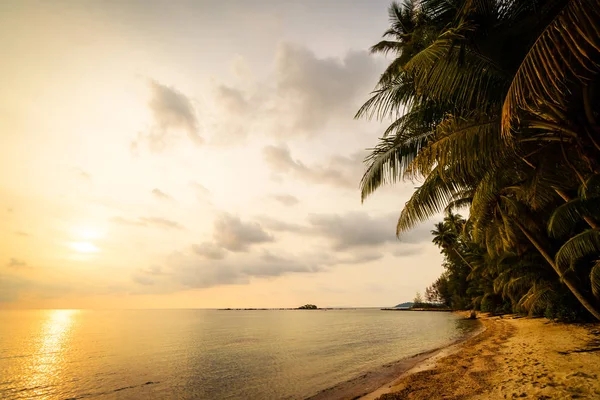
[
  {"x": 469, "y": 143},
  {"x": 584, "y": 244},
  {"x": 567, "y": 50},
  {"x": 565, "y": 217},
  {"x": 428, "y": 199}
]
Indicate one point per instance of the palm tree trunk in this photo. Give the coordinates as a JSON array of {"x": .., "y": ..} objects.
[
  {"x": 462, "y": 258},
  {"x": 584, "y": 302}
]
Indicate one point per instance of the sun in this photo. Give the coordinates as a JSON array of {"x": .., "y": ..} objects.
[{"x": 84, "y": 247}]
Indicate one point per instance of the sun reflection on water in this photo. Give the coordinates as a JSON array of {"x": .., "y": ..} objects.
[{"x": 46, "y": 368}]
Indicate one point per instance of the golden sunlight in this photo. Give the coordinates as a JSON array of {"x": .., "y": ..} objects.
[
  {"x": 84, "y": 247},
  {"x": 55, "y": 334}
]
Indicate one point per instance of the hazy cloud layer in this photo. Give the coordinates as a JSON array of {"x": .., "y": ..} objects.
[
  {"x": 209, "y": 250},
  {"x": 231, "y": 99},
  {"x": 172, "y": 113},
  {"x": 188, "y": 272},
  {"x": 234, "y": 235},
  {"x": 286, "y": 199},
  {"x": 159, "y": 194},
  {"x": 16, "y": 263},
  {"x": 11, "y": 287},
  {"x": 354, "y": 230},
  {"x": 282, "y": 226},
  {"x": 319, "y": 89},
  {"x": 200, "y": 189},
  {"x": 302, "y": 97},
  {"x": 343, "y": 172},
  {"x": 149, "y": 222}
]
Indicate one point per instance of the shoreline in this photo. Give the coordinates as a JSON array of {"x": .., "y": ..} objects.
[
  {"x": 506, "y": 357},
  {"x": 375, "y": 381},
  {"x": 512, "y": 357}
]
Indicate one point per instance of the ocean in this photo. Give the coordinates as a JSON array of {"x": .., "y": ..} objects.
[{"x": 205, "y": 354}]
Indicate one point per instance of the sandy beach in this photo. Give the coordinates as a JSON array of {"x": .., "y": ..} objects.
[{"x": 511, "y": 358}]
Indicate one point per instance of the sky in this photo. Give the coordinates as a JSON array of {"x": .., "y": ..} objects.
[{"x": 196, "y": 154}]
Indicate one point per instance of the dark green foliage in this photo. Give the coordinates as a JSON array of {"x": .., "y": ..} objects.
[
  {"x": 563, "y": 306},
  {"x": 493, "y": 107},
  {"x": 307, "y": 307}
]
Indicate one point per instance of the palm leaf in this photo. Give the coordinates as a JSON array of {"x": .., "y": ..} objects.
[
  {"x": 584, "y": 244},
  {"x": 468, "y": 144},
  {"x": 438, "y": 71},
  {"x": 595, "y": 278},
  {"x": 565, "y": 217},
  {"x": 566, "y": 50},
  {"x": 428, "y": 199}
]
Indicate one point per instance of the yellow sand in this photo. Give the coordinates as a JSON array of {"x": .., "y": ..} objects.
[{"x": 512, "y": 358}]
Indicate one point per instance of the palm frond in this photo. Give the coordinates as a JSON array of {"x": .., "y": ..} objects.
[
  {"x": 438, "y": 71},
  {"x": 566, "y": 50},
  {"x": 387, "y": 162},
  {"x": 591, "y": 188},
  {"x": 584, "y": 244},
  {"x": 428, "y": 199},
  {"x": 469, "y": 144},
  {"x": 595, "y": 278},
  {"x": 565, "y": 217}
]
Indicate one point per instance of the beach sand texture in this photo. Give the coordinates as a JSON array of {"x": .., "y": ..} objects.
[{"x": 512, "y": 358}]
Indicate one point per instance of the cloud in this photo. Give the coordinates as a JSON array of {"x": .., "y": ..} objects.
[
  {"x": 187, "y": 271},
  {"x": 406, "y": 251},
  {"x": 360, "y": 257},
  {"x": 270, "y": 264},
  {"x": 159, "y": 194},
  {"x": 202, "y": 193},
  {"x": 231, "y": 99},
  {"x": 143, "y": 279},
  {"x": 11, "y": 288},
  {"x": 286, "y": 199},
  {"x": 149, "y": 222},
  {"x": 172, "y": 112},
  {"x": 355, "y": 230},
  {"x": 301, "y": 97},
  {"x": 234, "y": 235},
  {"x": 343, "y": 172},
  {"x": 316, "y": 90},
  {"x": 161, "y": 222},
  {"x": 16, "y": 263},
  {"x": 209, "y": 250},
  {"x": 21, "y": 233},
  {"x": 282, "y": 226},
  {"x": 125, "y": 221}
]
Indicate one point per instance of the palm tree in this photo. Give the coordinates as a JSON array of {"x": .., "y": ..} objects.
[{"x": 491, "y": 105}]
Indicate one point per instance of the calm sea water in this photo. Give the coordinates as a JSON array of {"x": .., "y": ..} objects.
[{"x": 204, "y": 354}]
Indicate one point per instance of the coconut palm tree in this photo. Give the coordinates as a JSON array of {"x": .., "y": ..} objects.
[{"x": 491, "y": 105}]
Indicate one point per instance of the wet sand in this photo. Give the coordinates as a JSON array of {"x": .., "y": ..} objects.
[
  {"x": 366, "y": 385},
  {"x": 511, "y": 358}
]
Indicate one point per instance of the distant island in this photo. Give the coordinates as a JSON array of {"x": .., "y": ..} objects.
[
  {"x": 308, "y": 307},
  {"x": 419, "y": 305},
  {"x": 304, "y": 307}
]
